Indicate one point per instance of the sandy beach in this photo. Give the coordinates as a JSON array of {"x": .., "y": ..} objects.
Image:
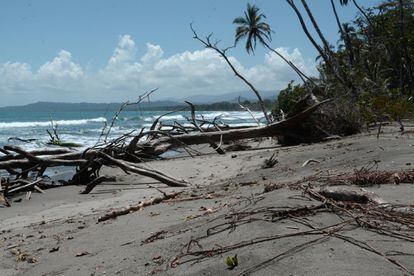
[{"x": 57, "y": 233}]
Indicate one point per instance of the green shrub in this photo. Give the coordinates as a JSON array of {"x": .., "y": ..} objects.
[{"x": 288, "y": 97}]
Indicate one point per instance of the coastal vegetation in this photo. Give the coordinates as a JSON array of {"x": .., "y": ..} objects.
[
  {"x": 371, "y": 66},
  {"x": 368, "y": 74}
]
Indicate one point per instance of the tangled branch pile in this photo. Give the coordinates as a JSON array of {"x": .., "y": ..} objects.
[{"x": 129, "y": 151}]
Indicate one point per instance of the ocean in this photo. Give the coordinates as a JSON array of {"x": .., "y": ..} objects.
[{"x": 85, "y": 127}]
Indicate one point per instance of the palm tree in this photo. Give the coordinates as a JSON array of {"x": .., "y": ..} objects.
[{"x": 252, "y": 27}]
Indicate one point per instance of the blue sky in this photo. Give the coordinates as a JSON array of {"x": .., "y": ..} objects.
[{"x": 59, "y": 50}]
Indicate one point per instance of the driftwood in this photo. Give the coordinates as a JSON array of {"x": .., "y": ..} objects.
[
  {"x": 24, "y": 187},
  {"x": 91, "y": 185},
  {"x": 134, "y": 168},
  {"x": 364, "y": 197},
  {"x": 160, "y": 145},
  {"x": 137, "y": 207},
  {"x": 194, "y": 122},
  {"x": 3, "y": 200},
  {"x": 126, "y": 151},
  {"x": 153, "y": 147}
]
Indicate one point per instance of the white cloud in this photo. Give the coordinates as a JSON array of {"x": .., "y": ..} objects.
[
  {"x": 124, "y": 52},
  {"x": 125, "y": 75},
  {"x": 14, "y": 77},
  {"x": 61, "y": 67},
  {"x": 153, "y": 55}
]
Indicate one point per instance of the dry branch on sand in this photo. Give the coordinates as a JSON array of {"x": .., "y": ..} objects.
[
  {"x": 137, "y": 207},
  {"x": 355, "y": 208},
  {"x": 365, "y": 176}
]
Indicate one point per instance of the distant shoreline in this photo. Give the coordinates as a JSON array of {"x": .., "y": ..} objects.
[{"x": 146, "y": 106}]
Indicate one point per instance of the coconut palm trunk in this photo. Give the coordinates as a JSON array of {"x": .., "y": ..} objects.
[
  {"x": 344, "y": 35},
  {"x": 333, "y": 62},
  {"x": 361, "y": 10},
  {"x": 307, "y": 33},
  {"x": 316, "y": 26}
]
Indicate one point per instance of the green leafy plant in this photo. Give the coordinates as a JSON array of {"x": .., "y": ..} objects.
[{"x": 232, "y": 261}]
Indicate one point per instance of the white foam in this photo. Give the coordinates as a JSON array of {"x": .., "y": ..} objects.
[{"x": 47, "y": 123}]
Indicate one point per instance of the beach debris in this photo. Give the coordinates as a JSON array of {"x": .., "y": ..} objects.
[
  {"x": 65, "y": 144},
  {"x": 356, "y": 208},
  {"x": 307, "y": 162},
  {"x": 238, "y": 146},
  {"x": 4, "y": 201},
  {"x": 247, "y": 183},
  {"x": 366, "y": 176},
  {"x": 193, "y": 120},
  {"x": 26, "y": 169},
  {"x": 158, "y": 260},
  {"x": 270, "y": 162},
  {"x": 332, "y": 137},
  {"x": 194, "y": 197},
  {"x": 91, "y": 185},
  {"x": 232, "y": 262},
  {"x": 21, "y": 139},
  {"x": 82, "y": 253},
  {"x": 137, "y": 207},
  {"x": 156, "y": 236},
  {"x": 248, "y": 111},
  {"x": 55, "y": 139},
  {"x": 54, "y": 249},
  {"x": 13, "y": 246},
  {"x": 22, "y": 256}
]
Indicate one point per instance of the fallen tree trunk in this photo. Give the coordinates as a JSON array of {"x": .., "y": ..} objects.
[
  {"x": 162, "y": 144},
  {"x": 35, "y": 153},
  {"x": 49, "y": 162}
]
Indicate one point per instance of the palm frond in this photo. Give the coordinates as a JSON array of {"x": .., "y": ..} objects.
[
  {"x": 265, "y": 35},
  {"x": 240, "y": 20},
  {"x": 241, "y": 32}
]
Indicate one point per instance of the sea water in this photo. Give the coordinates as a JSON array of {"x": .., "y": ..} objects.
[{"x": 85, "y": 128}]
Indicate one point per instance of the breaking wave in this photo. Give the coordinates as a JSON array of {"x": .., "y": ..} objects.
[{"x": 47, "y": 123}]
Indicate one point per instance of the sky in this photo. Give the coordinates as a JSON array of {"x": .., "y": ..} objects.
[{"x": 111, "y": 51}]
